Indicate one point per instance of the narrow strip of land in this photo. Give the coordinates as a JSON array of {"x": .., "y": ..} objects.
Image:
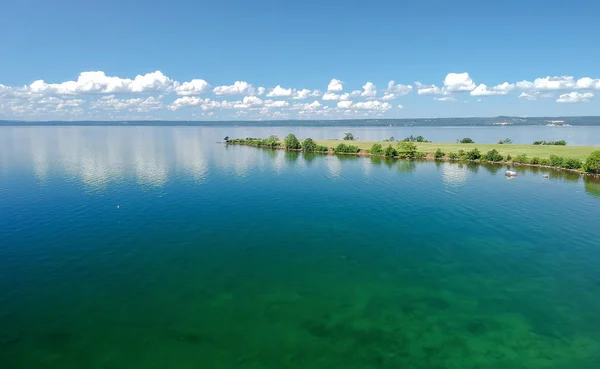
[{"x": 541, "y": 151}]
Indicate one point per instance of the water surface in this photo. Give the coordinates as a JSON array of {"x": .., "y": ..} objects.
[{"x": 155, "y": 247}]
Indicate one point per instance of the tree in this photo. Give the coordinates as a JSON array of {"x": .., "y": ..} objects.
[
  {"x": 407, "y": 149},
  {"x": 390, "y": 151},
  {"x": 226, "y": 139},
  {"x": 493, "y": 155},
  {"x": 466, "y": 140},
  {"x": 291, "y": 142},
  {"x": 592, "y": 163},
  {"x": 439, "y": 154},
  {"x": 308, "y": 145},
  {"x": 473, "y": 154},
  {"x": 505, "y": 141},
  {"x": 376, "y": 149},
  {"x": 391, "y": 139},
  {"x": 348, "y": 136}
]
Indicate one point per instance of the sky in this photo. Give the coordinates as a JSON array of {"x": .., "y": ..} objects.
[{"x": 265, "y": 60}]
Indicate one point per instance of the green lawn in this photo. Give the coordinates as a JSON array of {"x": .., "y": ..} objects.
[{"x": 578, "y": 152}]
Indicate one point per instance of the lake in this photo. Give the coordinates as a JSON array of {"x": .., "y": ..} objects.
[{"x": 157, "y": 247}]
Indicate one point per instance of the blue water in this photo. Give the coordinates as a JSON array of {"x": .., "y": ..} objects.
[{"x": 156, "y": 247}]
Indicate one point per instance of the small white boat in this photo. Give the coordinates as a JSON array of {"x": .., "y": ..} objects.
[{"x": 510, "y": 173}]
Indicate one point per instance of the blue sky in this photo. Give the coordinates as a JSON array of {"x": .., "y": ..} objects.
[{"x": 533, "y": 58}]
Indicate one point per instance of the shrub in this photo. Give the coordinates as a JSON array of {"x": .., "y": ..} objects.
[
  {"x": 411, "y": 138},
  {"x": 493, "y": 155},
  {"x": 521, "y": 158},
  {"x": 535, "y": 160},
  {"x": 420, "y": 155},
  {"x": 453, "y": 156},
  {"x": 556, "y": 161},
  {"x": 544, "y": 142},
  {"x": 390, "y": 151},
  {"x": 545, "y": 162},
  {"x": 321, "y": 148},
  {"x": 348, "y": 136},
  {"x": 505, "y": 141},
  {"x": 291, "y": 142},
  {"x": 439, "y": 154},
  {"x": 508, "y": 157},
  {"x": 343, "y": 148},
  {"x": 376, "y": 149},
  {"x": 391, "y": 139},
  {"x": 407, "y": 149},
  {"x": 271, "y": 141},
  {"x": 461, "y": 154},
  {"x": 572, "y": 163},
  {"x": 473, "y": 154},
  {"x": 309, "y": 145},
  {"x": 466, "y": 140},
  {"x": 226, "y": 139},
  {"x": 592, "y": 163}
]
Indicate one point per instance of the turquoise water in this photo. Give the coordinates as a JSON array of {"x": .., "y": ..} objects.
[{"x": 158, "y": 248}]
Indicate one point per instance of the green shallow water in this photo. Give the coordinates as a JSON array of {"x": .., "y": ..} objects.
[{"x": 157, "y": 248}]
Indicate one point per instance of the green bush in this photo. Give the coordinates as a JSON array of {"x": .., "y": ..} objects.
[
  {"x": 321, "y": 148},
  {"x": 556, "y": 161},
  {"x": 439, "y": 154},
  {"x": 505, "y": 141},
  {"x": 473, "y": 154},
  {"x": 462, "y": 154},
  {"x": 309, "y": 145},
  {"x": 544, "y": 142},
  {"x": 391, "y": 139},
  {"x": 572, "y": 163},
  {"x": 348, "y": 136},
  {"x": 493, "y": 155},
  {"x": 343, "y": 148},
  {"x": 411, "y": 138},
  {"x": 390, "y": 151},
  {"x": 466, "y": 140},
  {"x": 453, "y": 156},
  {"x": 407, "y": 149},
  {"x": 376, "y": 149},
  {"x": 508, "y": 157},
  {"x": 271, "y": 141},
  {"x": 291, "y": 142},
  {"x": 535, "y": 160},
  {"x": 521, "y": 158},
  {"x": 592, "y": 163},
  {"x": 420, "y": 155},
  {"x": 545, "y": 162}
]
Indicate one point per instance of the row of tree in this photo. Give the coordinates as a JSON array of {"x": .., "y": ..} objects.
[{"x": 408, "y": 150}]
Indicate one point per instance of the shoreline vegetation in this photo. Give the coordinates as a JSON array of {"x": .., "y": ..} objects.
[{"x": 556, "y": 155}]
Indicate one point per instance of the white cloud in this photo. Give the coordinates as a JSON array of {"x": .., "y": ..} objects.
[
  {"x": 193, "y": 87},
  {"x": 335, "y": 86},
  {"x": 138, "y": 105},
  {"x": 344, "y": 104},
  {"x": 398, "y": 90},
  {"x": 99, "y": 82},
  {"x": 428, "y": 89},
  {"x": 548, "y": 84},
  {"x": 238, "y": 88},
  {"x": 185, "y": 101},
  {"x": 400, "y": 107},
  {"x": 279, "y": 91},
  {"x": 333, "y": 97},
  {"x": 587, "y": 83},
  {"x": 445, "y": 99},
  {"x": 388, "y": 96},
  {"x": 369, "y": 90},
  {"x": 372, "y": 105},
  {"x": 261, "y": 91},
  {"x": 305, "y": 94},
  {"x": 276, "y": 104},
  {"x": 575, "y": 97},
  {"x": 456, "y": 82},
  {"x": 501, "y": 89}
]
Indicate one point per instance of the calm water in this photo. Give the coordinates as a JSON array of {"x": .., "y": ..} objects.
[{"x": 146, "y": 247}]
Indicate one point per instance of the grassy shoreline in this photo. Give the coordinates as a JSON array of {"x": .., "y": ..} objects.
[{"x": 540, "y": 156}]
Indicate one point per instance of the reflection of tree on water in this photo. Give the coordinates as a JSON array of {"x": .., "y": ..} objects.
[
  {"x": 291, "y": 156},
  {"x": 564, "y": 174},
  {"x": 347, "y": 157},
  {"x": 473, "y": 167},
  {"x": 310, "y": 157},
  {"x": 592, "y": 185},
  {"x": 493, "y": 169},
  {"x": 406, "y": 166}
]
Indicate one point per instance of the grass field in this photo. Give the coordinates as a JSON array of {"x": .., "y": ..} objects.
[{"x": 577, "y": 152}]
